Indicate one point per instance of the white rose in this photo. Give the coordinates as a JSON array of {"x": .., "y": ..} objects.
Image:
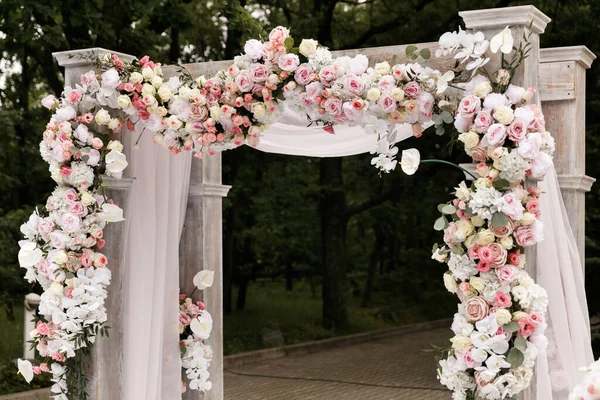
[
  {"x": 382, "y": 68},
  {"x": 373, "y": 94},
  {"x": 184, "y": 92},
  {"x": 439, "y": 256},
  {"x": 259, "y": 111},
  {"x": 482, "y": 89},
  {"x": 450, "y": 282},
  {"x": 148, "y": 90},
  {"x": 157, "y": 81},
  {"x": 148, "y": 73},
  {"x": 102, "y": 117},
  {"x": 124, "y": 101},
  {"x": 165, "y": 93},
  {"x": 60, "y": 257},
  {"x": 115, "y": 145},
  {"x": 254, "y": 49},
  {"x": 398, "y": 94},
  {"x": 57, "y": 288},
  {"x": 503, "y": 316},
  {"x": 87, "y": 199},
  {"x": 528, "y": 219},
  {"x": 461, "y": 343},
  {"x": 477, "y": 283},
  {"x": 113, "y": 124},
  {"x": 308, "y": 47},
  {"x": 507, "y": 242},
  {"x": 470, "y": 139},
  {"x": 504, "y": 115},
  {"x": 136, "y": 77}
]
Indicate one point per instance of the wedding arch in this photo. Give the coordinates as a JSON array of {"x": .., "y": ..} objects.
[{"x": 491, "y": 227}]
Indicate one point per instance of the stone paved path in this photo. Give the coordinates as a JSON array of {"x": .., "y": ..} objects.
[{"x": 393, "y": 368}]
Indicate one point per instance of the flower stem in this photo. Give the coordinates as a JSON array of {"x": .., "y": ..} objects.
[{"x": 449, "y": 163}]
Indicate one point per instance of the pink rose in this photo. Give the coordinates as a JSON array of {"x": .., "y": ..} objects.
[
  {"x": 517, "y": 130},
  {"x": 450, "y": 234},
  {"x": 313, "y": 90},
  {"x": 533, "y": 206},
  {"x": 100, "y": 260},
  {"x": 58, "y": 357},
  {"x": 476, "y": 308},
  {"x": 244, "y": 81},
  {"x": 42, "y": 328},
  {"x": 89, "y": 78},
  {"x": 483, "y": 120},
  {"x": 473, "y": 252},
  {"x": 333, "y": 106},
  {"x": 278, "y": 35},
  {"x": 538, "y": 124},
  {"x": 86, "y": 259},
  {"x": 198, "y": 112},
  {"x": 513, "y": 258},
  {"x": 71, "y": 195},
  {"x": 512, "y": 207},
  {"x": 462, "y": 123},
  {"x": 288, "y": 62},
  {"x": 355, "y": 85},
  {"x": 469, "y": 105},
  {"x": 44, "y": 367},
  {"x": 184, "y": 319},
  {"x": 499, "y": 255},
  {"x": 507, "y": 274},
  {"x": 426, "y": 105},
  {"x": 70, "y": 223},
  {"x": 387, "y": 103},
  {"x": 386, "y": 83},
  {"x": 484, "y": 266},
  {"x": 78, "y": 209},
  {"x": 412, "y": 90},
  {"x": 525, "y": 236},
  {"x": 259, "y": 72},
  {"x": 495, "y": 135},
  {"x": 468, "y": 360},
  {"x": 502, "y": 299},
  {"x": 485, "y": 254},
  {"x": 303, "y": 73},
  {"x": 327, "y": 75},
  {"x": 478, "y": 153},
  {"x": 526, "y": 328},
  {"x": 535, "y": 319},
  {"x": 504, "y": 231},
  {"x": 45, "y": 226}
]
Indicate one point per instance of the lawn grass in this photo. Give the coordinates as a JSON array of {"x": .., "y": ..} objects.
[{"x": 296, "y": 314}]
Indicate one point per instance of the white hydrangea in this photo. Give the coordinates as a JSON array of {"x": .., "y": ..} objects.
[
  {"x": 512, "y": 166},
  {"x": 486, "y": 201},
  {"x": 461, "y": 266}
]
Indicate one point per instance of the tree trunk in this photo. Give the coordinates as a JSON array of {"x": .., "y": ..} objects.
[
  {"x": 333, "y": 244},
  {"x": 368, "y": 292}
]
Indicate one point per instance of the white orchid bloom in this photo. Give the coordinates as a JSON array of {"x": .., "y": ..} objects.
[
  {"x": 410, "y": 161},
  {"x": 116, "y": 162},
  {"x": 25, "y": 369},
  {"x": 204, "y": 279},
  {"x": 443, "y": 80},
  {"x": 495, "y": 363},
  {"x": 30, "y": 254},
  {"x": 112, "y": 213},
  {"x": 202, "y": 325},
  {"x": 503, "y": 41}
]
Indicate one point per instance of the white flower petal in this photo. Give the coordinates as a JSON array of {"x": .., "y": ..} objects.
[
  {"x": 204, "y": 279},
  {"x": 410, "y": 161}
]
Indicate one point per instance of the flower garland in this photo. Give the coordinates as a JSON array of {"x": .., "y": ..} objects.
[
  {"x": 500, "y": 323},
  {"x": 589, "y": 388}
]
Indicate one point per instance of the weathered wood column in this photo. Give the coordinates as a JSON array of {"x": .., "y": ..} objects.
[
  {"x": 522, "y": 20},
  {"x": 562, "y": 91},
  {"x": 201, "y": 247},
  {"x": 106, "y": 361}
]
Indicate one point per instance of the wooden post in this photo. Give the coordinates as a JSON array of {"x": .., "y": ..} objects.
[
  {"x": 201, "y": 247},
  {"x": 106, "y": 360},
  {"x": 522, "y": 20},
  {"x": 562, "y": 91}
]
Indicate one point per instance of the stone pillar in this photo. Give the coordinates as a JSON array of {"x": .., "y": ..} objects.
[
  {"x": 522, "y": 20},
  {"x": 31, "y": 303},
  {"x": 201, "y": 247},
  {"x": 562, "y": 91},
  {"x": 106, "y": 360}
]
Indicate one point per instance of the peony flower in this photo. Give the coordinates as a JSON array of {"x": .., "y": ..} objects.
[
  {"x": 254, "y": 49},
  {"x": 111, "y": 79},
  {"x": 410, "y": 161}
]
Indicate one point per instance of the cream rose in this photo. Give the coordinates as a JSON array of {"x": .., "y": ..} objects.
[
  {"x": 102, "y": 117},
  {"x": 308, "y": 47},
  {"x": 477, "y": 283},
  {"x": 115, "y": 145},
  {"x": 464, "y": 229},
  {"x": 165, "y": 93},
  {"x": 450, "y": 282},
  {"x": 398, "y": 94},
  {"x": 461, "y": 343},
  {"x": 485, "y": 237},
  {"x": 124, "y": 101},
  {"x": 148, "y": 90},
  {"x": 504, "y": 115},
  {"x": 148, "y": 73},
  {"x": 482, "y": 89},
  {"x": 382, "y": 68},
  {"x": 503, "y": 316},
  {"x": 136, "y": 77},
  {"x": 519, "y": 315},
  {"x": 528, "y": 219},
  {"x": 470, "y": 139},
  {"x": 439, "y": 256},
  {"x": 373, "y": 94}
]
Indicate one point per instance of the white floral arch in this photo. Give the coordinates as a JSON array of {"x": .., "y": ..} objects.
[{"x": 502, "y": 313}]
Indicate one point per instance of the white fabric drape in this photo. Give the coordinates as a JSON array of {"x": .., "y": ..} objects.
[
  {"x": 559, "y": 272},
  {"x": 156, "y": 211}
]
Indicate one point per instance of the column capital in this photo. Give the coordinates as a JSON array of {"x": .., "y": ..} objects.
[
  {"x": 581, "y": 183},
  {"x": 208, "y": 190},
  {"x": 124, "y": 183},
  {"x": 580, "y": 54},
  {"x": 502, "y": 17},
  {"x": 77, "y": 58}
]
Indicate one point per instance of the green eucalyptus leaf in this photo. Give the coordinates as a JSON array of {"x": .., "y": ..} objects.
[
  {"x": 499, "y": 219},
  {"x": 440, "y": 130},
  {"x": 511, "y": 327},
  {"x": 447, "y": 117},
  {"x": 440, "y": 207},
  {"x": 501, "y": 184},
  {"x": 458, "y": 250},
  {"x": 288, "y": 42},
  {"x": 440, "y": 224},
  {"x": 410, "y": 50},
  {"x": 468, "y": 211},
  {"x": 521, "y": 343},
  {"x": 515, "y": 358},
  {"x": 425, "y": 53},
  {"x": 448, "y": 209}
]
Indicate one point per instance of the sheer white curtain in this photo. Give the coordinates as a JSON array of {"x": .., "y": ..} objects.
[{"x": 157, "y": 204}]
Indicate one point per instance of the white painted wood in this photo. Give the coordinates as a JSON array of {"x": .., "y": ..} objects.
[
  {"x": 562, "y": 82},
  {"x": 105, "y": 363},
  {"x": 201, "y": 247},
  {"x": 522, "y": 20}
]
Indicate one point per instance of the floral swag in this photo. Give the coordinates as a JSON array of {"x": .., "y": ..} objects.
[{"x": 500, "y": 323}]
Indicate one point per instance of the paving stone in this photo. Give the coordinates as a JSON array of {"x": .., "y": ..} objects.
[{"x": 393, "y": 368}]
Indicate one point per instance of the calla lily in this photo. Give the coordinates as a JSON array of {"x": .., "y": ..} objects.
[
  {"x": 30, "y": 254},
  {"x": 410, "y": 161},
  {"x": 204, "y": 279},
  {"x": 202, "y": 325},
  {"x": 116, "y": 162},
  {"x": 25, "y": 369},
  {"x": 503, "y": 41},
  {"x": 112, "y": 213}
]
